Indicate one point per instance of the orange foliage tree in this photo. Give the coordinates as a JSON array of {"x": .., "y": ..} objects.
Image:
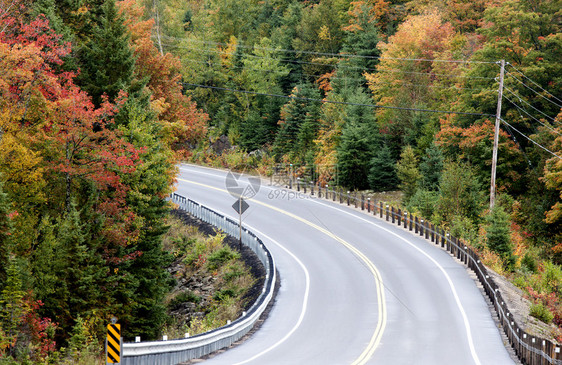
[
  {"x": 474, "y": 144},
  {"x": 184, "y": 124}
]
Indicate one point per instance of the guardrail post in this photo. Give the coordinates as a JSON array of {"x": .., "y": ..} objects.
[
  {"x": 405, "y": 220},
  {"x": 426, "y": 230},
  {"x": 416, "y": 223},
  {"x": 399, "y": 217},
  {"x": 412, "y": 217},
  {"x": 355, "y": 198},
  {"x": 448, "y": 241},
  {"x": 319, "y": 191},
  {"x": 368, "y": 205},
  {"x": 380, "y": 209},
  {"x": 298, "y": 184},
  {"x": 387, "y": 212},
  {"x": 311, "y": 188},
  {"x": 421, "y": 227},
  {"x": 334, "y": 194},
  {"x": 362, "y": 202},
  {"x": 442, "y": 237},
  {"x": 392, "y": 212},
  {"x": 432, "y": 232}
]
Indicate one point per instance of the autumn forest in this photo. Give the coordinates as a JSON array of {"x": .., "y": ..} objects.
[{"x": 100, "y": 99}]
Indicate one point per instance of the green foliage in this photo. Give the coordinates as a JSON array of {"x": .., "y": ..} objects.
[
  {"x": 408, "y": 172},
  {"x": 541, "y": 312},
  {"x": 354, "y": 155},
  {"x": 431, "y": 168},
  {"x": 186, "y": 296},
  {"x": 382, "y": 171},
  {"x": 220, "y": 257},
  {"x": 498, "y": 236},
  {"x": 424, "y": 201},
  {"x": 552, "y": 277},
  {"x": 107, "y": 62},
  {"x": 529, "y": 263},
  {"x": 460, "y": 193},
  {"x": 298, "y": 124},
  {"x": 12, "y": 308},
  {"x": 465, "y": 229},
  {"x": 6, "y": 230}
]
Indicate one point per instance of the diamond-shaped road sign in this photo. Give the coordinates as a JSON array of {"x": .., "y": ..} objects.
[{"x": 240, "y": 206}]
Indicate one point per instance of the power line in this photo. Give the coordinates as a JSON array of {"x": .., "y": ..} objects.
[
  {"x": 274, "y": 71},
  {"x": 330, "y": 77},
  {"x": 519, "y": 146},
  {"x": 343, "y": 55},
  {"x": 530, "y": 139},
  {"x": 529, "y": 104},
  {"x": 522, "y": 74},
  {"x": 339, "y": 66},
  {"x": 338, "y": 102},
  {"x": 524, "y": 111},
  {"x": 533, "y": 90}
]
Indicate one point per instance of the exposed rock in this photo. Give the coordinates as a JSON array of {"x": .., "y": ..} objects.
[{"x": 221, "y": 144}]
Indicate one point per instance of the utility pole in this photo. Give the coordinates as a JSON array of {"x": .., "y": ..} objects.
[{"x": 496, "y": 137}]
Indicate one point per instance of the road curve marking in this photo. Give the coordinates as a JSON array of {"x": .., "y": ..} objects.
[
  {"x": 304, "y": 304},
  {"x": 382, "y": 313},
  {"x": 443, "y": 271}
]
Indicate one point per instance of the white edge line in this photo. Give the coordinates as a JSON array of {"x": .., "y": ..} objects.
[{"x": 304, "y": 304}]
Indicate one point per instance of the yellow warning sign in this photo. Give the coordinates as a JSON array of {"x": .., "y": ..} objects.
[{"x": 114, "y": 343}]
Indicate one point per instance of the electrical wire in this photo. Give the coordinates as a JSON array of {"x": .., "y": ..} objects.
[
  {"x": 530, "y": 139},
  {"x": 343, "y": 55},
  {"x": 217, "y": 51},
  {"x": 338, "y": 102},
  {"x": 330, "y": 77},
  {"x": 525, "y": 102},
  {"x": 519, "y": 146},
  {"x": 273, "y": 71},
  {"x": 522, "y": 74},
  {"x": 533, "y": 90},
  {"x": 537, "y": 120}
]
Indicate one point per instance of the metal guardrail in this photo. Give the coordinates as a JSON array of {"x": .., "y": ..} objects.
[
  {"x": 181, "y": 350},
  {"x": 530, "y": 349}
]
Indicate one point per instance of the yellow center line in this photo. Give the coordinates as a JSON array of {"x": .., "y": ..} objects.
[{"x": 381, "y": 324}]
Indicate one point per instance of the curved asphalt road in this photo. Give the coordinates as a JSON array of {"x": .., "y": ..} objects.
[{"x": 354, "y": 289}]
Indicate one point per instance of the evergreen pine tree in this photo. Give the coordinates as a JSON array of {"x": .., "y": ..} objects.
[
  {"x": 12, "y": 309},
  {"x": 382, "y": 172},
  {"x": 107, "y": 61},
  {"x": 354, "y": 154},
  {"x": 359, "y": 140},
  {"x": 431, "y": 168},
  {"x": 407, "y": 172},
  {"x": 6, "y": 230},
  {"x": 498, "y": 236},
  {"x": 294, "y": 115},
  {"x": 150, "y": 184}
]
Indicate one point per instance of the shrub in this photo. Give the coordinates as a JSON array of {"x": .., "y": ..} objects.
[
  {"x": 221, "y": 256},
  {"x": 540, "y": 312},
  {"x": 184, "y": 297},
  {"x": 529, "y": 263}
]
